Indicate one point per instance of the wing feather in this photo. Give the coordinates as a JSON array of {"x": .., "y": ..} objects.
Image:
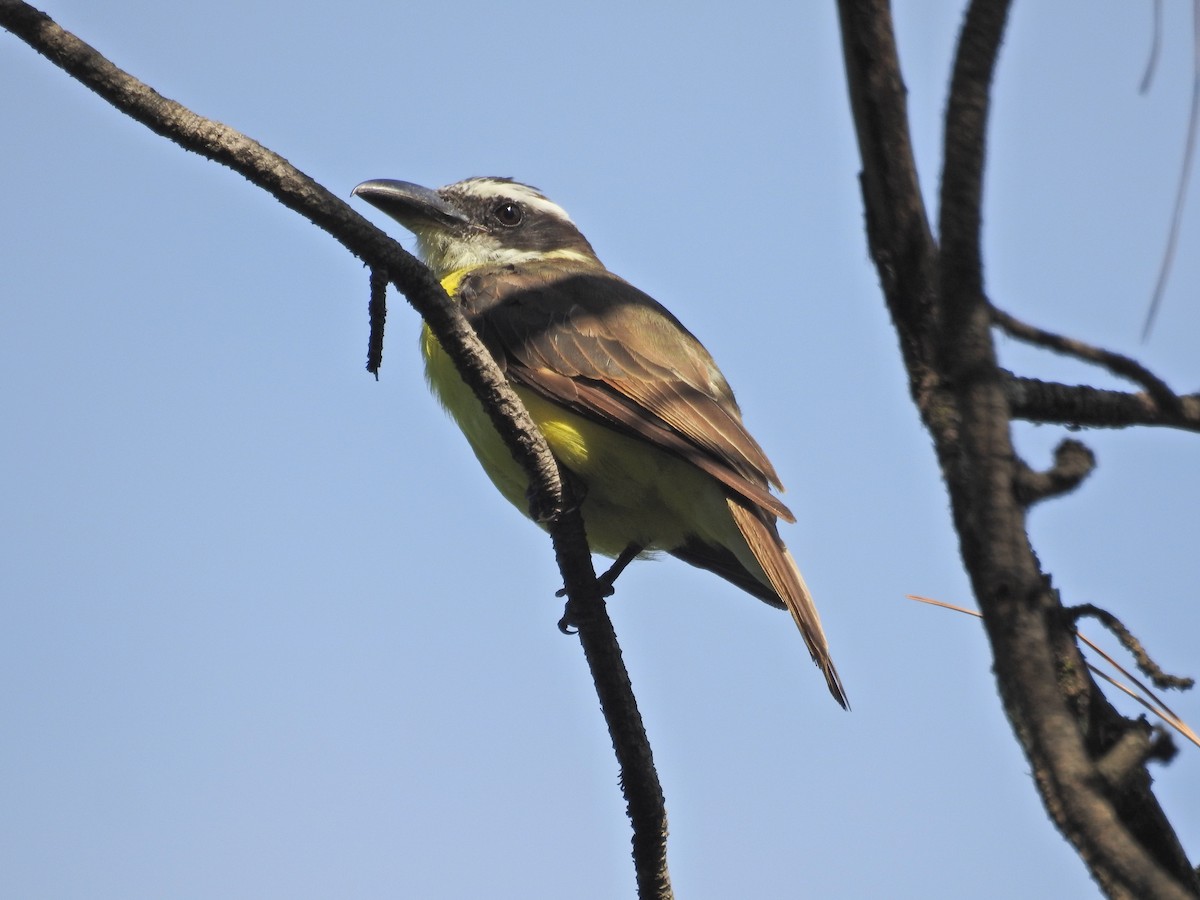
[
  {"x": 590, "y": 342},
  {"x": 587, "y": 340},
  {"x": 763, "y": 538}
]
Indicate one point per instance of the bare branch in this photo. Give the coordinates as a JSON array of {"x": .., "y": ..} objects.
[
  {"x": 898, "y": 232},
  {"x": 1122, "y": 366},
  {"x": 1079, "y": 405},
  {"x": 1148, "y": 666},
  {"x": 549, "y": 491},
  {"x": 964, "y": 154}
]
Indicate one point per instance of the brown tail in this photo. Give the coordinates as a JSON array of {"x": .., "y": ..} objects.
[{"x": 758, "y": 528}]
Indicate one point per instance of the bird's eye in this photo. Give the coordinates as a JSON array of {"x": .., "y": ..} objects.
[{"x": 509, "y": 214}]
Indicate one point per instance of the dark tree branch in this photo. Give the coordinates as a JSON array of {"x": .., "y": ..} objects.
[
  {"x": 1078, "y": 405},
  {"x": 961, "y": 196},
  {"x": 898, "y": 233},
  {"x": 1148, "y": 666},
  {"x": 550, "y": 494},
  {"x": 1073, "y": 462},
  {"x": 1121, "y": 366},
  {"x": 937, "y": 298}
]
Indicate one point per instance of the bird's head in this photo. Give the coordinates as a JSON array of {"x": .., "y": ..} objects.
[{"x": 479, "y": 222}]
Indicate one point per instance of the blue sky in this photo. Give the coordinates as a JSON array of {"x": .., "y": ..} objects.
[{"x": 269, "y": 632}]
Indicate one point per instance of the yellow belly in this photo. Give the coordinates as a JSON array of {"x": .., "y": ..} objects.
[{"x": 635, "y": 493}]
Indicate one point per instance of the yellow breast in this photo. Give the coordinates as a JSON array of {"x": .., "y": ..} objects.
[{"x": 634, "y": 492}]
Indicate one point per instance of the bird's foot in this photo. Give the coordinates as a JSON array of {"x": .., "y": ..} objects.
[{"x": 606, "y": 587}]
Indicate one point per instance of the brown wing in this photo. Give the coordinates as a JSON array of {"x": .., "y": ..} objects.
[
  {"x": 589, "y": 341},
  {"x": 763, "y": 539}
]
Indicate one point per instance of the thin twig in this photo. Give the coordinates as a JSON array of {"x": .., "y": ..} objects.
[
  {"x": 377, "y": 318},
  {"x": 1155, "y": 47},
  {"x": 1185, "y": 172},
  {"x": 1122, "y": 366},
  {"x": 1154, "y": 704},
  {"x": 1149, "y": 667}
]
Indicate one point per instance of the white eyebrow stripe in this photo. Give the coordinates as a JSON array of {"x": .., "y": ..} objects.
[{"x": 486, "y": 188}]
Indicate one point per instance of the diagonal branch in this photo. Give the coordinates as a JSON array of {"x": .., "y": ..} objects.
[
  {"x": 549, "y": 490},
  {"x": 1121, "y": 366}
]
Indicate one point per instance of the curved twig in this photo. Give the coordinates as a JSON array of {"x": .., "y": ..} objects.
[
  {"x": 1073, "y": 462},
  {"x": 549, "y": 490},
  {"x": 1122, "y": 366},
  {"x": 1148, "y": 666}
]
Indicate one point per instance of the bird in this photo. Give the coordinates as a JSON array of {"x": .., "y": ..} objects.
[{"x": 631, "y": 403}]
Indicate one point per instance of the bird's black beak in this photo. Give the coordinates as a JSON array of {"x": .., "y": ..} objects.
[{"x": 411, "y": 205}]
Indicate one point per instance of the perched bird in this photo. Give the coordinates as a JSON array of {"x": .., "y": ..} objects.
[{"x": 629, "y": 401}]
